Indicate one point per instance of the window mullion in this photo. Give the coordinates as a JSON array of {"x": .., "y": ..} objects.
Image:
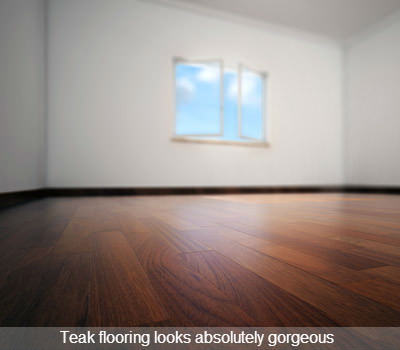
[
  {"x": 239, "y": 80},
  {"x": 222, "y": 96},
  {"x": 262, "y": 75}
]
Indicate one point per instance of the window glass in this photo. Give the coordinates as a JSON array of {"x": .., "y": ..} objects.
[
  {"x": 231, "y": 107},
  {"x": 252, "y": 89},
  {"x": 198, "y": 98}
]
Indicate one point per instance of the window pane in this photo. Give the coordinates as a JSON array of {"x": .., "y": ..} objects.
[
  {"x": 252, "y": 87},
  {"x": 231, "y": 130},
  {"x": 198, "y": 98}
]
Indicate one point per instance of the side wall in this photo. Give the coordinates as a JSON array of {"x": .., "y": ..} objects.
[
  {"x": 372, "y": 124},
  {"x": 111, "y": 99},
  {"x": 22, "y": 95}
]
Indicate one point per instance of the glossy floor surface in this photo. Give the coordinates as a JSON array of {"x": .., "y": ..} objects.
[{"x": 229, "y": 260}]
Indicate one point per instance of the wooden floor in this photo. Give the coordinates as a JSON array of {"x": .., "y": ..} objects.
[{"x": 229, "y": 260}]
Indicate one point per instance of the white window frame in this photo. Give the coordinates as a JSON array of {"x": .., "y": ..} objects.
[
  {"x": 263, "y": 75},
  {"x": 214, "y": 138},
  {"x": 178, "y": 60}
]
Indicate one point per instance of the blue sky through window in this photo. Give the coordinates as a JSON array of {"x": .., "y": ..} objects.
[
  {"x": 198, "y": 99},
  {"x": 252, "y": 104},
  {"x": 231, "y": 106},
  {"x": 198, "y": 102}
]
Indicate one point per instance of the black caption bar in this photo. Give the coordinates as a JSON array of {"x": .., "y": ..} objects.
[{"x": 159, "y": 338}]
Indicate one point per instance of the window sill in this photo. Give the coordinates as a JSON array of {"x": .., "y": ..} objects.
[{"x": 220, "y": 142}]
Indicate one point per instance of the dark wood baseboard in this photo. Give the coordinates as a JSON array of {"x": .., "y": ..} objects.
[
  {"x": 141, "y": 191},
  {"x": 371, "y": 189},
  {"x": 15, "y": 198},
  {"x": 10, "y": 199}
]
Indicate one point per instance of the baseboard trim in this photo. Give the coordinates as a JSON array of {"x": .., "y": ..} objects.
[
  {"x": 14, "y": 198},
  {"x": 156, "y": 191},
  {"x": 145, "y": 191},
  {"x": 10, "y": 199},
  {"x": 371, "y": 189}
]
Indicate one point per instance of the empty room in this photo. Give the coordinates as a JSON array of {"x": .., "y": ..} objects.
[{"x": 190, "y": 163}]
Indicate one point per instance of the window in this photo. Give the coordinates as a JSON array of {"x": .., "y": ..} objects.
[{"x": 217, "y": 103}]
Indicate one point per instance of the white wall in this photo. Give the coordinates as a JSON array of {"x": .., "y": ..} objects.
[
  {"x": 373, "y": 107},
  {"x": 22, "y": 128},
  {"x": 111, "y": 99}
]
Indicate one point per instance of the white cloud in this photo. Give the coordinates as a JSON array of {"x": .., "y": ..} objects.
[
  {"x": 209, "y": 74},
  {"x": 184, "y": 90},
  {"x": 233, "y": 89}
]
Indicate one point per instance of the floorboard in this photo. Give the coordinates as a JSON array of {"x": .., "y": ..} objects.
[
  {"x": 121, "y": 293},
  {"x": 190, "y": 298},
  {"x": 52, "y": 291},
  {"x": 268, "y": 304},
  {"x": 335, "y": 301},
  {"x": 202, "y": 260}
]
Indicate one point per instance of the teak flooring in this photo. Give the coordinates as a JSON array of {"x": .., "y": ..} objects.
[{"x": 221, "y": 260}]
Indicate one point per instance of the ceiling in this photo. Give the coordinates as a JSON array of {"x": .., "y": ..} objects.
[{"x": 340, "y": 19}]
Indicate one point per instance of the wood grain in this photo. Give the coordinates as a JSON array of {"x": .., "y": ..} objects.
[
  {"x": 331, "y": 299},
  {"x": 52, "y": 291},
  {"x": 121, "y": 293},
  {"x": 202, "y": 260},
  {"x": 267, "y": 303},
  {"x": 391, "y": 273},
  {"x": 381, "y": 290},
  {"x": 190, "y": 298}
]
